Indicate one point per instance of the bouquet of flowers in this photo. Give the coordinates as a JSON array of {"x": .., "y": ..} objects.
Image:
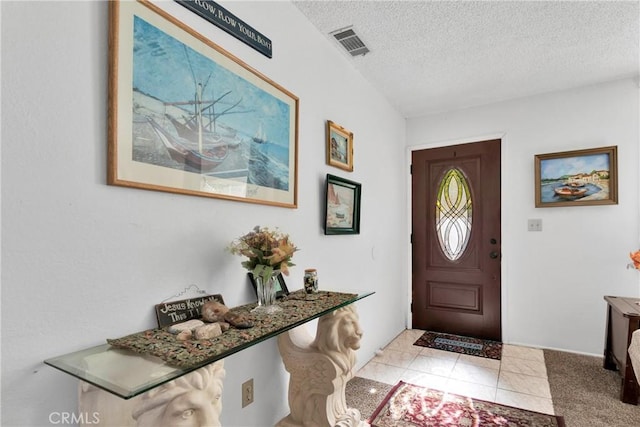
[
  {"x": 635, "y": 258},
  {"x": 267, "y": 251}
]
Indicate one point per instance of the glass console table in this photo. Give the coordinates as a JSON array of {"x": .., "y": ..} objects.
[{"x": 127, "y": 373}]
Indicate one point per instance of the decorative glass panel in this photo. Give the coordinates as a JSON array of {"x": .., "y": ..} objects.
[{"x": 453, "y": 214}]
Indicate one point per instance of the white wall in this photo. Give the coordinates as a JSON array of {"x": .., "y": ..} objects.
[
  {"x": 83, "y": 261},
  {"x": 554, "y": 281}
]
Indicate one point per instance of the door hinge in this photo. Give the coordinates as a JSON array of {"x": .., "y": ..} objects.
[
  {"x": 410, "y": 169},
  {"x": 411, "y": 238}
]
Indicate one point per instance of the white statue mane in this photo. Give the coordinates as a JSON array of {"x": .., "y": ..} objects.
[{"x": 339, "y": 334}]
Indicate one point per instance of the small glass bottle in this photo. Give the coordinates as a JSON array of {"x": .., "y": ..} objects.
[{"x": 311, "y": 281}]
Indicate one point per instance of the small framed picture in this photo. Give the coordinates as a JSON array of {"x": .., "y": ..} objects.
[
  {"x": 281, "y": 287},
  {"x": 339, "y": 146},
  {"x": 342, "y": 214},
  {"x": 577, "y": 178}
]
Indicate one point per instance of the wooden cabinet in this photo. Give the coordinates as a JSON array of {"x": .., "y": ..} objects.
[{"x": 623, "y": 318}]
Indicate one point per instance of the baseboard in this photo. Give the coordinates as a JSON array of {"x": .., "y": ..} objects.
[{"x": 557, "y": 349}]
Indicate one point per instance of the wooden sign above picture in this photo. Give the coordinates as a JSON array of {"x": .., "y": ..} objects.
[
  {"x": 172, "y": 312},
  {"x": 227, "y": 21}
]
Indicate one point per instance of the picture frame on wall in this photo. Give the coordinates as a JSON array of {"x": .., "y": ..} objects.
[
  {"x": 342, "y": 206},
  {"x": 281, "y": 287},
  {"x": 188, "y": 117},
  {"x": 577, "y": 178},
  {"x": 339, "y": 146}
]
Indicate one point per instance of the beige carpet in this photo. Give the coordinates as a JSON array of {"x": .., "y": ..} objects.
[
  {"x": 583, "y": 392},
  {"x": 365, "y": 395}
]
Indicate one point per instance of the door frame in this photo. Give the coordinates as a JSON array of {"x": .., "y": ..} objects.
[{"x": 505, "y": 241}]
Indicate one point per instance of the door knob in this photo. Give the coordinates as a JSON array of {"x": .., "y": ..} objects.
[{"x": 493, "y": 255}]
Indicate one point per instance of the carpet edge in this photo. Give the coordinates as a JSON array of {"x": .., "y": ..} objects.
[{"x": 383, "y": 402}]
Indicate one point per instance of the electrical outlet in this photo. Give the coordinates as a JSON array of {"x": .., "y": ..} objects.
[{"x": 247, "y": 392}]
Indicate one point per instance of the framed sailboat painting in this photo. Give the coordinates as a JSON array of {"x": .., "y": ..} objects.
[
  {"x": 186, "y": 116},
  {"x": 342, "y": 208},
  {"x": 577, "y": 178},
  {"x": 339, "y": 146}
]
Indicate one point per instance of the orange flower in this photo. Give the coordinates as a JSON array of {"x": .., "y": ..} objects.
[
  {"x": 267, "y": 251},
  {"x": 635, "y": 257}
]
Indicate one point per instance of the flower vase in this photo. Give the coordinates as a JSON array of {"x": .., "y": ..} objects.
[{"x": 266, "y": 290}]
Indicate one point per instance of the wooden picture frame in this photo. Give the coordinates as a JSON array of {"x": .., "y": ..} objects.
[
  {"x": 339, "y": 146},
  {"x": 342, "y": 208},
  {"x": 186, "y": 116},
  {"x": 281, "y": 287},
  {"x": 577, "y": 178}
]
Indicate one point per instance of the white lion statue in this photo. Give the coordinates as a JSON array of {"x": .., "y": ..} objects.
[{"x": 320, "y": 369}]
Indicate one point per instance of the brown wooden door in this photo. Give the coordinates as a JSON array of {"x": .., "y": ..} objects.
[{"x": 456, "y": 239}]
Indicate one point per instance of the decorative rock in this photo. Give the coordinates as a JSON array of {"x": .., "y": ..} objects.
[
  {"x": 188, "y": 325},
  {"x": 239, "y": 320},
  {"x": 213, "y": 311},
  {"x": 206, "y": 332},
  {"x": 184, "y": 335}
]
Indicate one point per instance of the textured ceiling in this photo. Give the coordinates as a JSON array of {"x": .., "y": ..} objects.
[{"x": 434, "y": 56}]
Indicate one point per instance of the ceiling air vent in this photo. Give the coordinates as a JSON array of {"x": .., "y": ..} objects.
[{"x": 348, "y": 38}]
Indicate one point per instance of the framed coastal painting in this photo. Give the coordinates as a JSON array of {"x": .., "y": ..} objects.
[
  {"x": 339, "y": 146},
  {"x": 186, "y": 116},
  {"x": 577, "y": 178},
  {"x": 342, "y": 213}
]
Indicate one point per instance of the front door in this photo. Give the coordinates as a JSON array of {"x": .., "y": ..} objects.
[{"x": 456, "y": 240}]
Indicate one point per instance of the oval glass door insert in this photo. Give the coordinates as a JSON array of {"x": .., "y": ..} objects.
[{"x": 453, "y": 214}]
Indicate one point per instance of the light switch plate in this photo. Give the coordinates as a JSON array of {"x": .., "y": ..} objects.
[{"x": 534, "y": 225}]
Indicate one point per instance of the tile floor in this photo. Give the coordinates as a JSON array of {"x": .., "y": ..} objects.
[{"x": 519, "y": 379}]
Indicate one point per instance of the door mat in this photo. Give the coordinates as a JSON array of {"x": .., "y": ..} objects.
[
  {"x": 408, "y": 405},
  {"x": 459, "y": 344}
]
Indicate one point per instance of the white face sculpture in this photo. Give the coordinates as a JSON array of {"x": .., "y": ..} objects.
[
  {"x": 193, "y": 400},
  {"x": 195, "y": 408}
]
